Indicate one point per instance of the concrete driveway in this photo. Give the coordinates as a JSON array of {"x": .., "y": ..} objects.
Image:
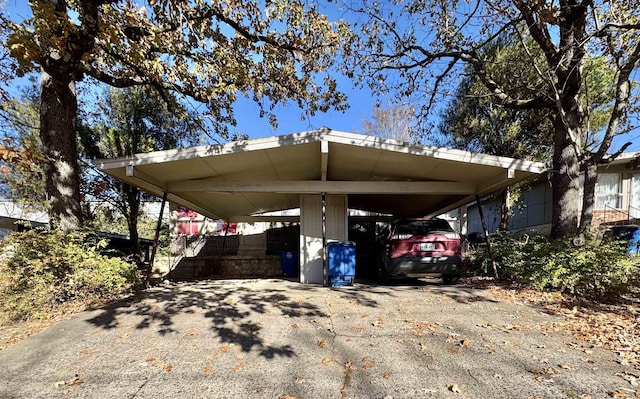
[{"x": 281, "y": 339}]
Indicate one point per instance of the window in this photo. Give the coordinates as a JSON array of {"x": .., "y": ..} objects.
[
  {"x": 608, "y": 191},
  {"x": 634, "y": 207}
]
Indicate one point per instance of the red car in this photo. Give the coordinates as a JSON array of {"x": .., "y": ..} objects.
[{"x": 418, "y": 248}]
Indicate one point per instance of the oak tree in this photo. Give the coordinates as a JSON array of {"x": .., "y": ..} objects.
[
  {"x": 206, "y": 51},
  {"x": 420, "y": 47}
]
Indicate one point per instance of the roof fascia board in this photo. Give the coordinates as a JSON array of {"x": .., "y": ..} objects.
[
  {"x": 434, "y": 152},
  {"x": 321, "y": 135},
  {"x": 333, "y": 187},
  {"x": 210, "y": 150}
]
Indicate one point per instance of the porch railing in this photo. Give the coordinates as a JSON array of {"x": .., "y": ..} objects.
[{"x": 608, "y": 210}]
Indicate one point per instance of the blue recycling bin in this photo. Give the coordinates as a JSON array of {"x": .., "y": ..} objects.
[
  {"x": 341, "y": 262},
  {"x": 289, "y": 263},
  {"x": 631, "y": 234},
  {"x": 634, "y": 243}
]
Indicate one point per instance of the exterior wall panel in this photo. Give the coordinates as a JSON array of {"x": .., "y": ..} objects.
[
  {"x": 311, "y": 250},
  {"x": 337, "y": 218}
]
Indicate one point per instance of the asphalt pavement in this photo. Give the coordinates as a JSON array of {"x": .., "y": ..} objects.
[{"x": 282, "y": 339}]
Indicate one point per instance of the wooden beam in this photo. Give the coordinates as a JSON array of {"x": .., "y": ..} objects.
[
  {"x": 330, "y": 187},
  {"x": 324, "y": 159}
]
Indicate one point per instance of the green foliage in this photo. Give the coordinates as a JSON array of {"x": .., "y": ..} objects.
[
  {"x": 597, "y": 269},
  {"x": 43, "y": 270}
]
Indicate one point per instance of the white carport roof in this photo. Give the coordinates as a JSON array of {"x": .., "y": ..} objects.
[{"x": 237, "y": 180}]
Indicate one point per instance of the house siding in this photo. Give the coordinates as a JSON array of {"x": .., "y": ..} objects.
[{"x": 534, "y": 207}]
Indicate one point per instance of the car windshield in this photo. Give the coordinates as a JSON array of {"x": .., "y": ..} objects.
[{"x": 423, "y": 227}]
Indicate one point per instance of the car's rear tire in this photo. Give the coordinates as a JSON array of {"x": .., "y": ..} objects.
[{"x": 451, "y": 279}]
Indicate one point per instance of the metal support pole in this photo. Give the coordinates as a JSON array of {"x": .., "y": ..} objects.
[
  {"x": 155, "y": 239},
  {"x": 325, "y": 269}
]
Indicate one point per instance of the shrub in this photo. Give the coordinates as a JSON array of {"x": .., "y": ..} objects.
[
  {"x": 41, "y": 270},
  {"x": 597, "y": 269}
]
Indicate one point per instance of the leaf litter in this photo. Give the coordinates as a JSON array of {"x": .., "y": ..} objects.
[{"x": 613, "y": 326}]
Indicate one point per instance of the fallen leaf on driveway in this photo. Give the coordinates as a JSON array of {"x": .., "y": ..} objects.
[
  {"x": 326, "y": 361},
  {"x": 238, "y": 367},
  {"x": 386, "y": 376},
  {"x": 287, "y": 396},
  {"x": 322, "y": 343},
  {"x": 465, "y": 342},
  {"x": 75, "y": 380},
  {"x": 454, "y": 388},
  {"x": 169, "y": 368},
  {"x": 619, "y": 394},
  {"x": 566, "y": 367}
]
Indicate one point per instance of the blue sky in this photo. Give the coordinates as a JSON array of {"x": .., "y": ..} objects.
[
  {"x": 361, "y": 101},
  {"x": 361, "y": 107}
]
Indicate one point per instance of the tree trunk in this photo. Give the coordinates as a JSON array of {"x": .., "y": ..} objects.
[
  {"x": 487, "y": 238},
  {"x": 565, "y": 182},
  {"x": 505, "y": 210},
  {"x": 58, "y": 106},
  {"x": 588, "y": 197}
]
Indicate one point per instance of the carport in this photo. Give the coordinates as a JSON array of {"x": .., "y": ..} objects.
[{"x": 323, "y": 173}]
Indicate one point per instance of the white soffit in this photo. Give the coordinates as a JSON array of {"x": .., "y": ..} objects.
[{"x": 238, "y": 179}]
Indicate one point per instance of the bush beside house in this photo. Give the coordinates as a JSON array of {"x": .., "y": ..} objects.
[
  {"x": 44, "y": 271},
  {"x": 599, "y": 269}
]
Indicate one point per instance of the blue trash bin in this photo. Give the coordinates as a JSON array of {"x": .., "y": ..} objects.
[
  {"x": 289, "y": 263},
  {"x": 341, "y": 262},
  {"x": 631, "y": 234}
]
